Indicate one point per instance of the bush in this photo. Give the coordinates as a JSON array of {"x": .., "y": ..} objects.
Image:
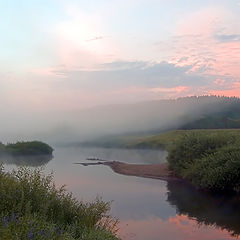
[
  {"x": 192, "y": 146},
  {"x": 28, "y": 148},
  {"x": 31, "y": 207},
  {"x": 219, "y": 171},
  {"x": 208, "y": 162}
]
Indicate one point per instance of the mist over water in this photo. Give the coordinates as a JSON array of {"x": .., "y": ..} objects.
[
  {"x": 56, "y": 126},
  {"x": 93, "y": 79},
  {"x": 147, "y": 209}
]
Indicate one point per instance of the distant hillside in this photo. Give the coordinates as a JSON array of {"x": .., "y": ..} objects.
[
  {"x": 148, "y": 118},
  {"x": 162, "y": 115},
  {"x": 117, "y": 125},
  {"x": 225, "y": 115}
]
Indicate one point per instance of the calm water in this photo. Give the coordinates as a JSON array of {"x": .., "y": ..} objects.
[{"x": 147, "y": 209}]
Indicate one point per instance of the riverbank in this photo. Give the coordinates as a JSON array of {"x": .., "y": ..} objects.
[{"x": 208, "y": 159}]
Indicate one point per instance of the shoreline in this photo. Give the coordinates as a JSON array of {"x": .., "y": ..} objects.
[{"x": 154, "y": 171}]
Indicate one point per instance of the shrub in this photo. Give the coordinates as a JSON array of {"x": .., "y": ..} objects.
[
  {"x": 219, "y": 171},
  {"x": 31, "y": 207},
  {"x": 192, "y": 146},
  {"x": 208, "y": 162},
  {"x": 28, "y": 148}
]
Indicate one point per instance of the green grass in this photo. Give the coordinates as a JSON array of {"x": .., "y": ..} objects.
[
  {"x": 31, "y": 207},
  {"x": 25, "y": 149},
  {"x": 168, "y": 139},
  {"x": 163, "y": 140}
]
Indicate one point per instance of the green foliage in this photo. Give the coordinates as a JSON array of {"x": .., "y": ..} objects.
[
  {"x": 191, "y": 146},
  {"x": 28, "y": 148},
  {"x": 31, "y": 207},
  {"x": 208, "y": 162},
  {"x": 33, "y": 153},
  {"x": 217, "y": 171}
]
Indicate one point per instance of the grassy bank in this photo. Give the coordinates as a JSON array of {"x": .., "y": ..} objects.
[
  {"x": 168, "y": 139},
  {"x": 25, "y": 149},
  {"x": 209, "y": 159},
  {"x": 209, "y": 162},
  {"x": 31, "y": 207},
  {"x": 163, "y": 140}
]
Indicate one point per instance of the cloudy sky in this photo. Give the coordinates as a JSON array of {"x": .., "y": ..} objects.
[{"x": 73, "y": 54}]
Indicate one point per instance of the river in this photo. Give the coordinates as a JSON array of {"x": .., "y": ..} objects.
[{"x": 148, "y": 209}]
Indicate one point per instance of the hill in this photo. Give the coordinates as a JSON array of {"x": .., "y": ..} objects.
[{"x": 145, "y": 118}]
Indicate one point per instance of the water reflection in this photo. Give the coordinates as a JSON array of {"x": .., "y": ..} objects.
[
  {"x": 145, "y": 207},
  {"x": 179, "y": 227},
  {"x": 31, "y": 161},
  {"x": 205, "y": 208}
]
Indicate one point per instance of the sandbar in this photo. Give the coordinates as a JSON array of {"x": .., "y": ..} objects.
[{"x": 155, "y": 171}]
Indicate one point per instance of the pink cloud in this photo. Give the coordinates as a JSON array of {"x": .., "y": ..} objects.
[
  {"x": 233, "y": 91},
  {"x": 48, "y": 71},
  {"x": 175, "y": 90},
  {"x": 200, "y": 23},
  {"x": 136, "y": 93},
  {"x": 219, "y": 82},
  {"x": 203, "y": 40}
]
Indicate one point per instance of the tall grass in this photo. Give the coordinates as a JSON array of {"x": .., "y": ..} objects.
[{"x": 32, "y": 207}]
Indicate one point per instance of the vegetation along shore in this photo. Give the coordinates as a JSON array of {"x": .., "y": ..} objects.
[
  {"x": 208, "y": 159},
  {"x": 32, "y": 207},
  {"x": 32, "y": 148}
]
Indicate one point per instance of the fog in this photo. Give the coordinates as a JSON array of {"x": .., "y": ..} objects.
[{"x": 76, "y": 126}]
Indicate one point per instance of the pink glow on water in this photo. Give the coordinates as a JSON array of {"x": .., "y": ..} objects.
[{"x": 174, "y": 228}]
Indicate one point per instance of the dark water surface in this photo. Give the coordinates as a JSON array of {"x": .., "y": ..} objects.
[{"x": 148, "y": 209}]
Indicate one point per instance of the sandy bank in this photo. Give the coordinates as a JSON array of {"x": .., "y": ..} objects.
[{"x": 156, "y": 171}]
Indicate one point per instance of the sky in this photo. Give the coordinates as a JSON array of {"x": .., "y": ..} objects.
[{"x": 74, "y": 54}]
